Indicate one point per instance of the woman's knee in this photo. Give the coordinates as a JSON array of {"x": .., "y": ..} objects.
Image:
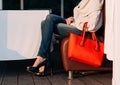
[{"x": 50, "y": 16}]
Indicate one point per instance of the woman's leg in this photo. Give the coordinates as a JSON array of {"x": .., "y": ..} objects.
[
  {"x": 47, "y": 29},
  {"x": 64, "y": 29},
  {"x": 52, "y": 23},
  {"x": 61, "y": 29}
]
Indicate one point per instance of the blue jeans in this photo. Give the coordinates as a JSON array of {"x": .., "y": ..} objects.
[{"x": 53, "y": 24}]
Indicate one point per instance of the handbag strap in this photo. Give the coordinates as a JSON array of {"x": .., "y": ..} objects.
[{"x": 93, "y": 37}]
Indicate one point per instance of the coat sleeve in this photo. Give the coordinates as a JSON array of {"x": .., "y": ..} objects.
[{"x": 95, "y": 20}]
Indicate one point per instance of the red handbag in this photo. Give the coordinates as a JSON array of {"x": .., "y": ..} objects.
[{"x": 85, "y": 50}]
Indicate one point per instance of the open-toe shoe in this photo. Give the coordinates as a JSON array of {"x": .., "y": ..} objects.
[
  {"x": 32, "y": 69},
  {"x": 35, "y": 70},
  {"x": 43, "y": 73}
]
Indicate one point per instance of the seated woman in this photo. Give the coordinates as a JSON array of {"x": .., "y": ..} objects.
[{"x": 86, "y": 11}]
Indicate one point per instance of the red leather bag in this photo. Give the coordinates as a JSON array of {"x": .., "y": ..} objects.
[{"x": 85, "y": 50}]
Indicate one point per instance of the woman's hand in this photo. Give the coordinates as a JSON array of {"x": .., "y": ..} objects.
[{"x": 69, "y": 20}]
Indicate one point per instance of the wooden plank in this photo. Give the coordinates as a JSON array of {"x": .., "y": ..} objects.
[
  {"x": 41, "y": 80},
  {"x": 104, "y": 78},
  {"x": 2, "y": 71},
  {"x": 75, "y": 82},
  {"x": 89, "y": 81},
  {"x": 57, "y": 79},
  {"x": 25, "y": 78},
  {"x": 10, "y": 77}
]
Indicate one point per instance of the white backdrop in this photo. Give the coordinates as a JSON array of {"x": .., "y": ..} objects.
[
  {"x": 20, "y": 33},
  {"x": 112, "y": 40}
]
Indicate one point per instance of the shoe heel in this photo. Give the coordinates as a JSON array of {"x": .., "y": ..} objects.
[
  {"x": 41, "y": 74},
  {"x": 44, "y": 63}
]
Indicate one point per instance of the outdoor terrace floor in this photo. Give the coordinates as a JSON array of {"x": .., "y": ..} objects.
[{"x": 14, "y": 73}]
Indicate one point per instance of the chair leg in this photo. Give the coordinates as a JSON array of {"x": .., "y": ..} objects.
[
  {"x": 70, "y": 74},
  {"x": 51, "y": 71}
]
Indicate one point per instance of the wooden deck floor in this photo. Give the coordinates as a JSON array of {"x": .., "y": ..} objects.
[{"x": 14, "y": 73}]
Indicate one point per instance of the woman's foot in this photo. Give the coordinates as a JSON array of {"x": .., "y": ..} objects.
[
  {"x": 42, "y": 67},
  {"x": 32, "y": 69},
  {"x": 41, "y": 71},
  {"x": 38, "y": 67}
]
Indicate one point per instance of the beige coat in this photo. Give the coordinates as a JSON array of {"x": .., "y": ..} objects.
[{"x": 88, "y": 11}]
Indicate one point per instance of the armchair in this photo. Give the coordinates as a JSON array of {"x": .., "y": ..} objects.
[{"x": 70, "y": 65}]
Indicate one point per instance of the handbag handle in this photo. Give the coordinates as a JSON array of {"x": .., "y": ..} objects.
[{"x": 93, "y": 37}]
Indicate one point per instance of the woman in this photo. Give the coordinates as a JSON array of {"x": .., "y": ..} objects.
[{"x": 86, "y": 11}]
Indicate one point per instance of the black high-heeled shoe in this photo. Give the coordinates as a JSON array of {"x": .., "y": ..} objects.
[
  {"x": 43, "y": 73},
  {"x": 32, "y": 69},
  {"x": 35, "y": 70}
]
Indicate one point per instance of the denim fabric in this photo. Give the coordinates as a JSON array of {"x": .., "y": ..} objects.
[{"x": 53, "y": 24}]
